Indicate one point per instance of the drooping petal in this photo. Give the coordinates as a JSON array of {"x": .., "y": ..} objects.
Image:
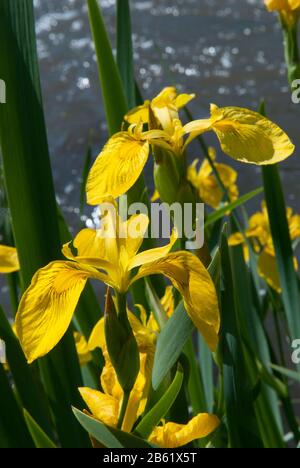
[
  {"x": 190, "y": 277},
  {"x": 47, "y": 307},
  {"x": 249, "y": 137},
  {"x": 97, "y": 338},
  {"x": 172, "y": 435},
  {"x": 103, "y": 407},
  {"x": 117, "y": 168},
  {"x": 9, "y": 261},
  {"x": 153, "y": 254}
]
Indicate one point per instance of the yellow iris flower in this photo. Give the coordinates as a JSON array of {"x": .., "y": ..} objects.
[
  {"x": 207, "y": 185},
  {"x": 243, "y": 134},
  {"x": 9, "y": 262},
  {"x": 165, "y": 107},
  {"x": 172, "y": 435},
  {"x": 145, "y": 329},
  {"x": 105, "y": 406},
  {"x": 145, "y": 332},
  {"x": 260, "y": 233},
  {"x": 110, "y": 255},
  {"x": 288, "y": 9}
]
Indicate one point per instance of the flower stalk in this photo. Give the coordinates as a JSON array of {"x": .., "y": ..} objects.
[{"x": 291, "y": 50}]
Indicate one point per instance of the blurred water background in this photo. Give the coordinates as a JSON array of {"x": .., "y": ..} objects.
[{"x": 228, "y": 52}]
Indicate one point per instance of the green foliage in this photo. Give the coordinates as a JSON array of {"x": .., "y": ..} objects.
[{"x": 246, "y": 383}]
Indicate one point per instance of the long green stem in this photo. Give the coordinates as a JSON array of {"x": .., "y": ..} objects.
[
  {"x": 12, "y": 282},
  {"x": 123, "y": 409},
  {"x": 291, "y": 50},
  {"x": 122, "y": 306},
  {"x": 122, "y": 313}
]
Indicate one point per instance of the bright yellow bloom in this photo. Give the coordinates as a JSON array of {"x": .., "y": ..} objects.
[
  {"x": 172, "y": 435},
  {"x": 145, "y": 329},
  {"x": 165, "y": 107},
  {"x": 105, "y": 406},
  {"x": 207, "y": 184},
  {"x": 243, "y": 134},
  {"x": 9, "y": 261},
  {"x": 259, "y": 232},
  {"x": 110, "y": 255},
  {"x": 288, "y": 9},
  {"x": 123, "y": 159},
  {"x": 82, "y": 349}
]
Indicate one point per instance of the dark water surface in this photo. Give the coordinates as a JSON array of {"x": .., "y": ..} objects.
[{"x": 227, "y": 51}]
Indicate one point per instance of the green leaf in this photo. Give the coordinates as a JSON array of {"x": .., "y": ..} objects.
[
  {"x": 238, "y": 391},
  {"x": 112, "y": 90},
  {"x": 108, "y": 436},
  {"x": 195, "y": 386},
  {"x": 175, "y": 335},
  {"x": 155, "y": 304},
  {"x": 256, "y": 353},
  {"x": 170, "y": 343},
  {"x": 206, "y": 371},
  {"x": 125, "y": 51},
  {"x": 283, "y": 247},
  {"x": 29, "y": 388},
  {"x": 157, "y": 413},
  {"x": 277, "y": 210},
  {"x": 40, "y": 438},
  {"x": 33, "y": 208},
  {"x": 116, "y": 106},
  {"x": 13, "y": 430},
  {"x": 218, "y": 214},
  {"x": 97, "y": 430},
  {"x": 121, "y": 343},
  {"x": 287, "y": 372},
  {"x": 84, "y": 176}
]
